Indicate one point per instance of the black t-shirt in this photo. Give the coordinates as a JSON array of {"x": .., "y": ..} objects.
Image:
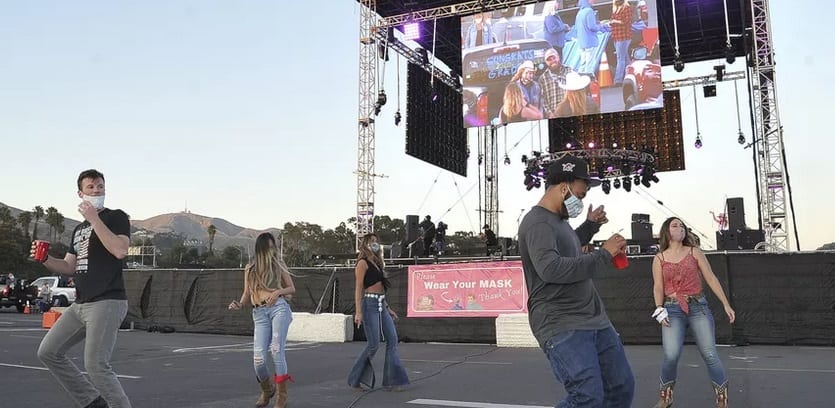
[
  {"x": 490, "y": 237},
  {"x": 98, "y": 274}
]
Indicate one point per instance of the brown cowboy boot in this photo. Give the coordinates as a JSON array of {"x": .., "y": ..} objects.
[
  {"x": 281, "y": 381},
  {"x": 666, "y": 397},
  {"x": 721, "y": 395},
  {"x": 267, "y": 392}
]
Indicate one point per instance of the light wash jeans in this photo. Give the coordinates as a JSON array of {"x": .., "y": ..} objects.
[
  {"x": 700, "y": 321},
  {"x": 592, "y": 366},
  {"x": 622, "y": 50},
  {"x": 378, "y": 326},
  {"x": 270, "y": 335},
  {"x": 95, "y": 323}
]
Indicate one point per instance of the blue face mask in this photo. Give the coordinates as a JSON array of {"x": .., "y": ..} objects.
[
  {"x": 375, "y": 247},
  {"x": 573, "y": 205}
]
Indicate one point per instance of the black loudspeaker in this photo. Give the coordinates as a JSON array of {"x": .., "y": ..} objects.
[
  {"x": 412, "y": 228},
  {"x": 640, "y": 218},
  {"x": 642, "y": 231},
  {"x": 727, "y": 240},
  {"x": 735, "y": 239},
  {"x": 736, "y": 214}
]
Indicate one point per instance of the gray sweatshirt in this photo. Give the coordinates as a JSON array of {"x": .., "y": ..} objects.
[{"x": 561, "y": 294}]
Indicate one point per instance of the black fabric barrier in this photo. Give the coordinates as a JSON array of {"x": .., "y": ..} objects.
[{"x": 778, "y": 299}]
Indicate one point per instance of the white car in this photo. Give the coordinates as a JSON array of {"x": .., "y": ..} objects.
[{"x": 62, "y": 295}]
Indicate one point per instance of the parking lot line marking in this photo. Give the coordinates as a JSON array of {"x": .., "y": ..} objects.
[
  {"x": 185, "y": 349},
  {"x": 788, "y": 370},
  {"x": 21, "y": 329},
  {"x": 468, "y": 404},
  {"x": 450, "y": 361},
  {"x": 131, "y": 377}
]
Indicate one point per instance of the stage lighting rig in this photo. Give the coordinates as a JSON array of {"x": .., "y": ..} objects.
[
  {"x": 615, "y": 167},
  {"x": 397, "y": 118},
  {"x": 381, "y": 101},
  {"x": 741, "y": 138}
]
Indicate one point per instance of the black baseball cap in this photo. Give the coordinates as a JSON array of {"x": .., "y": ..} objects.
[{"x": 573, "y": 166}]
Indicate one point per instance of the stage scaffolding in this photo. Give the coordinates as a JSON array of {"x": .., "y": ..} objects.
[{"x": 769, "y": 151}]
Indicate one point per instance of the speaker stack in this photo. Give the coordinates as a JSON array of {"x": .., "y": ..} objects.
[{"x": 737, "y": 236}]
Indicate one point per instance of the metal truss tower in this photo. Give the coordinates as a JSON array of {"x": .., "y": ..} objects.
[
  {"x": 768, "y": 132},
  {"x": 365, "y": 139},
  {"x": 490, "y": 187}
]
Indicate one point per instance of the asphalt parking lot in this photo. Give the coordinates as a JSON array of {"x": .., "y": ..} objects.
[{"x": 203, "y": 370}]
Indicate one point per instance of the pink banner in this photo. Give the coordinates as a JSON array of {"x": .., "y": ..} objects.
[{"x": 484, "y": 289}]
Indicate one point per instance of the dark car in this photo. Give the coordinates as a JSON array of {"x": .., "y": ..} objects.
[{"x": 16, "y": 293}]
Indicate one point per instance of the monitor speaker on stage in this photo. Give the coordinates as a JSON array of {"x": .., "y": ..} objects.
[
  {"x": 412, "y": 228},
  {"x": 738, "y": 239},
  {"x": 640, "y": 218},
  {"x": 736, "y": 214},
  {"x": 642, "y": 231}
]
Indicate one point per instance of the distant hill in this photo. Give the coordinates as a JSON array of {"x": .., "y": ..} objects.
[
  {"x": 190, "y": 225},
  {"x": 195, "y": 226}
]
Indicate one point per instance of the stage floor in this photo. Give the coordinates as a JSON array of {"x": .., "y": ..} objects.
[{"x": 203, "y": 370}]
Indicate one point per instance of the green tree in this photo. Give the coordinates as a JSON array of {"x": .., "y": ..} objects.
[
  {"x": 51, "y": 218},
  {"x": 24, "y": 219},
  {"x": 37, "y": 213},
  {"x": 6, "y": 216},
  {"x": 212, "y": 230},
  {"x": 59, "y": 226}
]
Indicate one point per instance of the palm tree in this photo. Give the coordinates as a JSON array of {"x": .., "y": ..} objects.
[
  {"x": 37, "y": 213},
  {"x": 51, "y": 219},
  {"x": 24, "y": 219},
  {"x": 59, "y": 226},
  {"x": 212, "y": 230}
]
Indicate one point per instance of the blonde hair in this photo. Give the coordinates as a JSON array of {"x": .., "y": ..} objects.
[
  {"x": 513, "y": 100},
  {"x": 267, "y": 270},
  {"x": 366, "y": 253},
  {"x": 576, "y": 101}
]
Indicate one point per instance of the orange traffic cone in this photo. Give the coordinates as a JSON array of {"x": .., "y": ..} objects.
[
  {"x": 604, "y": 74},
  {"x": 26, "y": 308}
]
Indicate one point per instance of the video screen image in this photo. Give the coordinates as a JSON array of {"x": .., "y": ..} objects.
[{"x": 558, "y": 59}]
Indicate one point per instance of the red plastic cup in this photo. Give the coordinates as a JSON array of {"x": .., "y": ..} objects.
[
  {"x": 41, "y": 250},
  {"x": 620, "y": 261}
]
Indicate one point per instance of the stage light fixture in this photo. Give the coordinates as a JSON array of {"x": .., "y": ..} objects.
[
  {"x": 506, "y": 160},
  {"x": 569, "y": 145},
  {"x": 411, "y": 31},
  {"x": 709, "y": 91},
  {"x": 397, "y": 118},
  {"x": 591, "y": 145},
  {"x": 627, "y": 184},
  {"x": 720, "y": 72},
  {"x": 698, "y": 142},
  {"x": 606, "y": 186},
  {"x": 637, "y": 179},
  {"x": 741, "y": 138},
  {"x": 729, "y": 54},
  {"x": 678, "y": 63},
  {"x": 381, "y": 101},
  {"x": 616, "y": 183},
  {"x": 423, "y": 54}
]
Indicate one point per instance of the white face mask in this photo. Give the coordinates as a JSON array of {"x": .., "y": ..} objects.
[
  {"x": 96, "y": 201},
  {"x": 375, "y": 247},
  {"x": 573, "y": 205},
  {"x": 677, "y": 234}
]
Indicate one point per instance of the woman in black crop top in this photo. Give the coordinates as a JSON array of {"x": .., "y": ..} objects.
[{"x": 376, "y": 318}]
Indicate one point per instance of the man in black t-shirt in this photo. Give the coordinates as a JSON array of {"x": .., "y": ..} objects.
[{"x": 95, "y": 261}]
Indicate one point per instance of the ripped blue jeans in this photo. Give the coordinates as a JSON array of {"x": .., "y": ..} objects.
[{"x": 270, "y": 337}]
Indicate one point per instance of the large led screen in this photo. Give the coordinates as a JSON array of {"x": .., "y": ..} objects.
[{"x": 557, "y": 59}]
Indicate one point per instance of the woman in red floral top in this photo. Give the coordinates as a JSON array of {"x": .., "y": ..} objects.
[{"x": 677, "y": 273}]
